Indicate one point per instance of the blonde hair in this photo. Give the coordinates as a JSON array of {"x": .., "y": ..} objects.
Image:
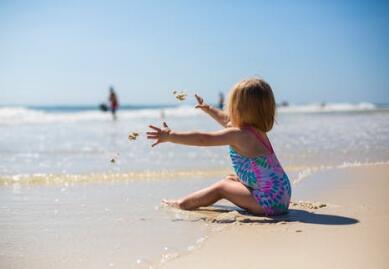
[{"x": 251, "y": 102}]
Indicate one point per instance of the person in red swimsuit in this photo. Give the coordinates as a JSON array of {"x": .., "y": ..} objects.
[{"x": 113, "y": 99}]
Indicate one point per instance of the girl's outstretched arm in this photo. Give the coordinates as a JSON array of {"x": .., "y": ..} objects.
[
  {"x": 216, "y": 114},
  {"x": 228, "y": 136}
]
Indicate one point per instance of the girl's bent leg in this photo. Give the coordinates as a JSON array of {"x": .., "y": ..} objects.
[
  {"x": 238, "y": 194},
  {"x": 229, "y": 188}
]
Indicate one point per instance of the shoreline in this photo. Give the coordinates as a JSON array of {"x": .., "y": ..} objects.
[
  {"x": 336, "y": 230},
  {"x": 67, "y": 224},
  {"x": 297, "y": 173}
]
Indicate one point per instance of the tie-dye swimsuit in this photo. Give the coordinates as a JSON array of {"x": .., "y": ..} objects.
[{"x": 264, "y": 177}]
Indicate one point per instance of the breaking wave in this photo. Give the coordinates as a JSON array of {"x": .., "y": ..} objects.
[{"x": 18, "y": 115}]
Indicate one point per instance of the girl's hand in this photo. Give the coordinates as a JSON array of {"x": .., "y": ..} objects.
[
  {"x": 200, "y": 103},
  {"x": 161, "y": 135}
]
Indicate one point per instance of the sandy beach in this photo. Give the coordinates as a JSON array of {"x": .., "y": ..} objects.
[
  {"x": 64, "y": 204},
  {"x": 342, "y": 223}
]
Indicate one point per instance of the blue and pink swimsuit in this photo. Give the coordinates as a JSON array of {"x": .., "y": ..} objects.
[{"x": 264, "y": 177}]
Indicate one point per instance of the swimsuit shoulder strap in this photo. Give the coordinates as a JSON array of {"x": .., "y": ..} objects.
[{"x": 261, "y": 139}]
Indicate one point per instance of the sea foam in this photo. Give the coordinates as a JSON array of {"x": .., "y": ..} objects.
[{"x": 19, "y": 115}]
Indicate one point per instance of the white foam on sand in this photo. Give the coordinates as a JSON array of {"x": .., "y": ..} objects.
[{"x": 308, "y": 172}]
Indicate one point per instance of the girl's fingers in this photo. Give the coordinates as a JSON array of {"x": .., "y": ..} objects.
[
  {"x": 156, "y": 143},
  {"x": 151, "y": 133},
  {"x": 152, "y": 137},
  {"x": 200, "y": 106},
  {"x": 199, "y": 99},
  {"x": 155, "y": 128}
]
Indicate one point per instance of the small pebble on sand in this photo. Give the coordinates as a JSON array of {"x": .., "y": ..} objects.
[{"x": 308, "y": 204}]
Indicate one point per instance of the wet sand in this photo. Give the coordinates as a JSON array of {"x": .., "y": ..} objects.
[
  {"x": 93, "y": 225},
  {"x": 341, "y": 223},
  {"x": 337, "y": 219}
]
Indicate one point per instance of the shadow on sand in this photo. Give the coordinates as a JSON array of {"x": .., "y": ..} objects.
[
  {"x": 300, "y": 215},
  {"x": 229, "y": 214}
]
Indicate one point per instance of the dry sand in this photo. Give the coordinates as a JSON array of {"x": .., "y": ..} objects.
[{"x": 346, "y": 228}]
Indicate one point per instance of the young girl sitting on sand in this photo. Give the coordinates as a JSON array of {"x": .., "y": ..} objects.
[{"x": 260, "y": 185}]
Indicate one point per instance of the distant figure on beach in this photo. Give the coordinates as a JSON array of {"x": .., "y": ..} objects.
[
  {"x": 221, "y": 100},
  {"x": 113, "y": 99},
  {"x": 284, "y": 104},
  {"x": 260, "y": 184}
]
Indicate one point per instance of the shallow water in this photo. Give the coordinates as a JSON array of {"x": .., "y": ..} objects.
[{"x": 95, "y": 225}]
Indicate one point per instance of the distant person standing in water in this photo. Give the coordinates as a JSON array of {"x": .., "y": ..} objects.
[
  {"x": 113, "y": 99},
  {"x": 221, "y": 100}
]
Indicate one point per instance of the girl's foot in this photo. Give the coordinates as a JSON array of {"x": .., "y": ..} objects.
[{"x": 172, "y": 203}]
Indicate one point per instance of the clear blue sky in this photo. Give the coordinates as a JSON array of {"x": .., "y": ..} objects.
[{"x": 69, "y": 52}]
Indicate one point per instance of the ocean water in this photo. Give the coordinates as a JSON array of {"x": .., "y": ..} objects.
[
  {"x": 64, "y": 202},
  {"x": 64, "y": 142}
]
